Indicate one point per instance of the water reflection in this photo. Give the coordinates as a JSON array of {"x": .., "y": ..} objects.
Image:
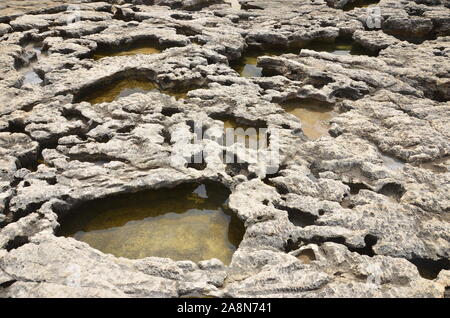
[
  {"x": 123, "y": 88},
  {"x": 189, "y": 222},
  {"x": 338, "y": 47},
  {"x": 314, "y": 116}
]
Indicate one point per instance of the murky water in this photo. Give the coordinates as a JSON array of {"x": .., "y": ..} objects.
[
  {"x": 123, "y": 88},
  {"x": 313, "y": 115},
  {"x": 119, "y": 89},
  {"x": 140, "y": 47},
  {"x": 254, "y": 136},
  {"x": 247, "y": 65},
  {"x": 338, "y": 47},
  {"x": 189, "y": 222}
]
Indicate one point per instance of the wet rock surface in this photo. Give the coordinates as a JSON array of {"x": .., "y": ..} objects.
[{"x": 361, "y": 211}]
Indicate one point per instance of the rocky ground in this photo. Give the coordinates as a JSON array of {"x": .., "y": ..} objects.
[{"x": 361, "y": 212}]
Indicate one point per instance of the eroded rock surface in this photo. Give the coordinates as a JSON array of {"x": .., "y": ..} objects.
[{"x": 360, "y": 212}]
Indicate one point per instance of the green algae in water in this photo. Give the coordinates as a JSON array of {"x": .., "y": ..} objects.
[
  {"x": 189, "y": 222},
  {"x": 313, "y": 115},
  {"x": 123, "y": 88},
  {"x": 338, "y": 47}
]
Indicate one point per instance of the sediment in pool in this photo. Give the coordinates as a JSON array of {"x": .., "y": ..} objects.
[
  {"x": 246, "y": 66},
  {"x": 146, "y": 47},
  {"x": 314, "y": 115},
  {"x": 251, "y": 135},
  {"x": 188, "y": 222},
  {"x": 122, "y": 87}
]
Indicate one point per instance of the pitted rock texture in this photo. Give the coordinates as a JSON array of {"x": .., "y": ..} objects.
[{"x": 360, "y": 212}]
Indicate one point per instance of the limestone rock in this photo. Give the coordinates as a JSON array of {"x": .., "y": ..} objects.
[{"x": 360, "y": 211}]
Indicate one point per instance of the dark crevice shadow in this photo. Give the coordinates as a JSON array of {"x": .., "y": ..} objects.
[
  {"x": 393, "y": 190},
  {"x": 17, "y": 242},
  {"x": 430, "y": 269},
  {"x": 298, "y": 217},
  {"x": 8, "y": 283},
  {"x": 369, "y": 240}
]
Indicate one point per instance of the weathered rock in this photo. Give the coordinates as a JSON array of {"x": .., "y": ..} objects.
[
  {"x": 334, "y": 272},
  {"x": 374, "y": 41},
  {"x": 4, "y": 28},
  {"x": 358, "y": 212}
]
